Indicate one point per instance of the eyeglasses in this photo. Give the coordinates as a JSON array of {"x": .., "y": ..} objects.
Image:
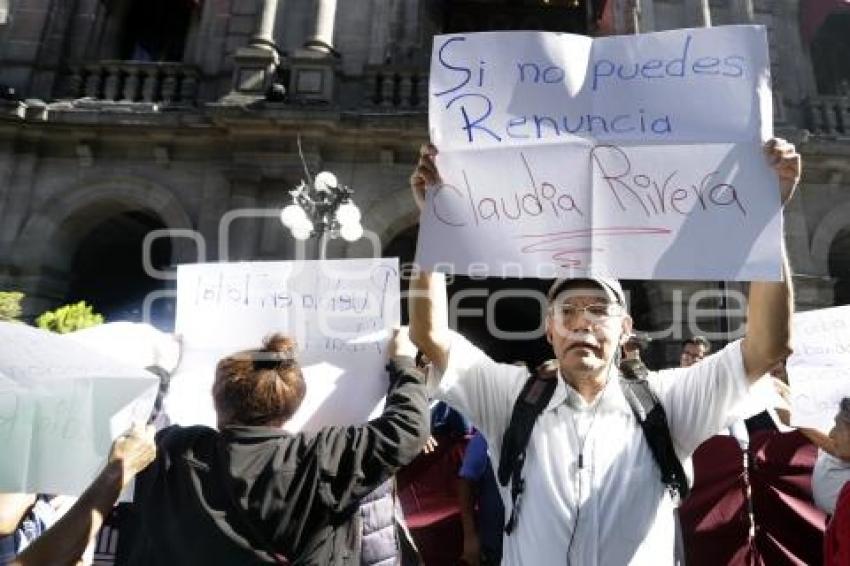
[{"x": 596, "y": 311}]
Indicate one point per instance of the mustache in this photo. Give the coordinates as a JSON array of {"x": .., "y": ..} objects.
[
  {"x": 582, "y": 340},
  {"x": 587, "y": 345}
]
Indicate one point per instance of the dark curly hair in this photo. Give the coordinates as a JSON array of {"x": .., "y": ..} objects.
[{"x": 259, "y": 387}]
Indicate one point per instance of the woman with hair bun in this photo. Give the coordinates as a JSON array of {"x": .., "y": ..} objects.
[{"x": 252, "y": 493}]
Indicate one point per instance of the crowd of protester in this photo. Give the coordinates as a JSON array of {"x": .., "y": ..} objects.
[{"x": 250, "y": 493}]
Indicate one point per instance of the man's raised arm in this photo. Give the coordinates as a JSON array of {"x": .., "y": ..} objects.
[
  {"x": 66, "y": 541},
  {"x": 429, "y": 328},
  {"x": 771, "y": 303}
]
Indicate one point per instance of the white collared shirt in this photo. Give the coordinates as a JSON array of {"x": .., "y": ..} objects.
[
  {"x": 828, "y": 477},
  {"x": 625, "y": 513}
]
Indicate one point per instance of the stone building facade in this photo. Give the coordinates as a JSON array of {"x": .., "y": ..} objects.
[{"x": 122, "y": 118}]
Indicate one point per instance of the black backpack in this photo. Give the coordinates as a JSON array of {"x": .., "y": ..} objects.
[{"x": 534, "y": 397}]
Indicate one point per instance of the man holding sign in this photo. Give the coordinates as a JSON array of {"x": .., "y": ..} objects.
[
  {"x": 591, "y": 487},
  {"x": 635, "y": 156}
]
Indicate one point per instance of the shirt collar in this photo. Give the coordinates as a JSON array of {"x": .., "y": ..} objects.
[
  {"x": 564, "y": 393},
  {"x": 237, "y": 432}
]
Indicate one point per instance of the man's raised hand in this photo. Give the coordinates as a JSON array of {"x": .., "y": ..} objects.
[
  {"x": 134, "y": 450},
  {"x": 785, "y": 160},
  {"x": 425, "y": 174}
]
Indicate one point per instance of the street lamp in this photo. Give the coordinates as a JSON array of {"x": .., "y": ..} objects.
[{"x": 323, "y": 209}]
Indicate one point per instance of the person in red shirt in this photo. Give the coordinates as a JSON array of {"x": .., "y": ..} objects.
[{"x": 831, "y": 485}]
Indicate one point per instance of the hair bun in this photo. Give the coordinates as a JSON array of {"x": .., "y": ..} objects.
[
  {"x": 261, "y": 387},
  {"x": 283, "y": 346}
]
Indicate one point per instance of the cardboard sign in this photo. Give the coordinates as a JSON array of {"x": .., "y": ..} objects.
[
  {"x": 339, "y": 312},
  {"x": 819, "y": 368},
  {"x": 61, "y": 405},
  {"x": 636, "y": 157}
]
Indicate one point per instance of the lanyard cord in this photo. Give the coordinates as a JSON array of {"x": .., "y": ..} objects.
[{"x": 580, "y": 467}]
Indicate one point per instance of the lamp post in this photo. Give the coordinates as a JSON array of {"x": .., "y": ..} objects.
[{"x": 323, "y": 209}]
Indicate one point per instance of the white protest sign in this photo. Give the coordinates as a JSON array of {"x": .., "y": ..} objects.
[
  {"x": 61, "y": 405},
  {"x": 761, "y": 396},
  {"x": 134, "y": 343},
  {"x": 819, "y": 368},
  {"x": 632, "y": 156},
  {"x": 340, "y": 313}
]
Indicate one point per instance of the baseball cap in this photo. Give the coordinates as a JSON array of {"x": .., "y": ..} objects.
[{"x": 607, "y": 284}]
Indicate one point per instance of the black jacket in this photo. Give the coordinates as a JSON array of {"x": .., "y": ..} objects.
[{"x": 243, "y": 494}]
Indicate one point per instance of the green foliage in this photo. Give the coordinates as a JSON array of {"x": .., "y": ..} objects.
[
  {"x": 10, "y": 305},
  {"x": 69, "y": 318}
]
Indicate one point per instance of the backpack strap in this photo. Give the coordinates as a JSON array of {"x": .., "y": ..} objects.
[
  {"x": 536, "y": 394},
  {"x": 533, "y": 398},
  {"x": 653, "y": 420}
]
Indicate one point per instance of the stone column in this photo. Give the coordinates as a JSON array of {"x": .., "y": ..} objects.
[
  {"x": 705, "y": 13},
  {"x": 322, "y": 38},
  {"x": 313, "y": 67},
  {"x": 636, "y": 16},
  {"x": 26, "y": 34},
  {"x": 743, "y": 11},
  {"x": 646, "y": 10},
  {"x": 795, "y": 77},
  {"x": 621, "y": 16},
  {"x": 255, "y": 65},
  {"x": 698, "y": 13},
  {"x": 380, "y": 33},
  {"x": 264, "y": 35},
  {"x": 411, "y": 35}
]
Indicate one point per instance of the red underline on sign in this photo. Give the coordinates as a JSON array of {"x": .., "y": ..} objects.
[{"x": 554, "y": 241}]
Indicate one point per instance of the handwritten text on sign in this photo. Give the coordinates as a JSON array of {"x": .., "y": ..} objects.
[
  {"x": 638, "y": 157},
  {"x": 819, "y": 368},
  {"x": 339, "y": 312}
]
